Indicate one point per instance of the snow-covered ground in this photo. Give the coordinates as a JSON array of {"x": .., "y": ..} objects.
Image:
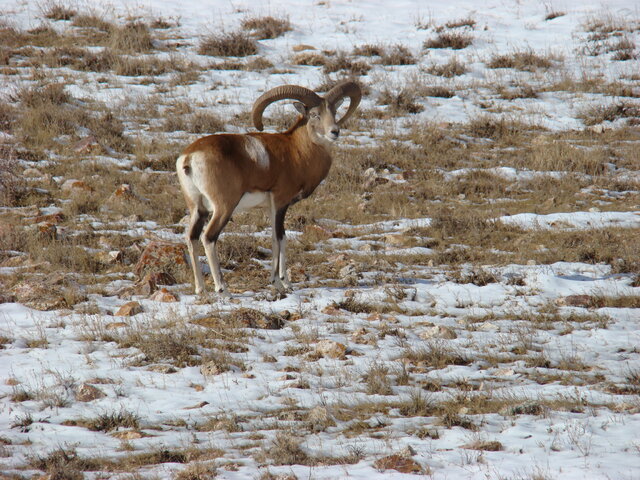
[{"x": 542, "y": 368}]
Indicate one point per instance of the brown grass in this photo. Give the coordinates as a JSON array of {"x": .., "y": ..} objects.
[
  {"x": 397, "y": 55},
  {"x": 266, "y": 27},
  {"x": 596, "y": 114},
  {"x": 341, "y": 62},
  {"x": 131, "y": 38},
  {"x": 58, "y": 11},
  {"x": 452, "y": 68},
  {"x": 233, "y": 44},
  {"x": 446, "y": 39},
  {"x": 400, "y": 102},
  {"x": 526, "y": 60}
]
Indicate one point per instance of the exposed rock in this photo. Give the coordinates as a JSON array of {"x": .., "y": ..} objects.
[
  {"x": 398, "y": 462},
  {"x": 162, "y": 368},
  {"x": 87, "y": 393},
  {"x": 87, "y": 145},
  {"x": 161, "y": 257},
  {"x": 163, "y": 295},
  {"x": 251, "y": 318},
  {"x": 123, "y": 193},
  {"x": 129, "y": 309},
  {"x": 331, "y": 349},
  {"x": 398, "y": 240},
  {"x": 348, "y": 271},
  {"x": 32, "y": 173},
  {"x": 39, "y": 296},
  {"x": 438, "y": 331},
  {"x": 319, "y": 419},
  {"x": 584, "y": 301},
  {"x": 372, "y": 178},
  {"x": 53, "y": 218},
  {"x": 212, "y": 368},
  {"x": 47, "y": 230},
  {"x": 331, "y": 310}
]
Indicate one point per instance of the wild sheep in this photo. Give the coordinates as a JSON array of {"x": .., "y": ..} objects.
[{"x": 226, "y": 173}]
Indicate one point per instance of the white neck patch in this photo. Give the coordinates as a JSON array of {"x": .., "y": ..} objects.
[{"x": 255, "y": 149}]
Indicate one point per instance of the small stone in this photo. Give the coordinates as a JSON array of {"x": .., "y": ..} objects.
[
  {"x": 162, "y": 368},
  {"x": 73, "y": 185},
  {"x": 87, "y": 145},
  {"x": 212, "y": 368},
  {"x": 129, "y": 309},
  {"x": 398, "y": 240},
  {"x": 331, "y": 349},
  {"x": 319, "y": 419},
  {"x": 398, "y": 462},
  {"x": 160, "y": 257},
  {"x": 408, "y": 451},
  {"x": 88, "y": 393},
  {"x": 438, "y": 331},
  {"x": 347, "y": 271},
  {"x": 39, "y": 296},
  {"x": 488, "y": 327},
  {"x": 53, "y": 218},
  {"x": 584, "y": 301},
  {"x": 163, "y": 295},
  {"x": 32, "y": 173}
]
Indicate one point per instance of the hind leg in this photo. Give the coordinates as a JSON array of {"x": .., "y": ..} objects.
[
  {"x": 209, "y": 239},
  {"x": 196, "y": 224}
]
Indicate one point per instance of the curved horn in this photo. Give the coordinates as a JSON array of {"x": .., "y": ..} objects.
[
  {"x": 306, "y": 96},
  {"x": 345, "y": 89}
]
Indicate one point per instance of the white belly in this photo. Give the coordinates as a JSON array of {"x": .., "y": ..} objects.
[{"x": 252, "y": 200}]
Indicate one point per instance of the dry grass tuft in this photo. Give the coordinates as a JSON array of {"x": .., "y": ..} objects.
[
  {"x": 397, "y": 55},
  {"x": 266, "y": 27},
  {"x": 596, "y": 114},
  {"x": 526, "y": 60},
  {"x": 446, "y": 39},
  {"x": 11, "y": 184},
  {"x": 452, "y": 68},
  {"x": 400, "y": 102},
  {"x": 63, "y": 464},
  {"x": 233, "y": 44},
  {"x": 286, "y": 450},
  {"x": 341, "y": 62},
  {"x": 436, "y": 354},
  {"x": 133, "y": 37},
  {"x": 58, "y": 11}
]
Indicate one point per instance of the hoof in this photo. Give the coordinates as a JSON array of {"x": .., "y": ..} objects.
[
  {"x": 223, "y": 293},
  {"x": 282, "y": 285}
]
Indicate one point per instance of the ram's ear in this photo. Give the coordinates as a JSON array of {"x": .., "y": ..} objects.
[{"x": 301, "y": 107}]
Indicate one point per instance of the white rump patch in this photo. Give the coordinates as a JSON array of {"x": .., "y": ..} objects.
[{"x": 256, "y": 151}]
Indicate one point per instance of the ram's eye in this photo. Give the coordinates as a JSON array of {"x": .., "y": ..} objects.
[{"x": 315, "y": 115}]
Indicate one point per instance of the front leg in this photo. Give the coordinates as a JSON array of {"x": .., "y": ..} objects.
[{"x": 279, "y": 267}]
